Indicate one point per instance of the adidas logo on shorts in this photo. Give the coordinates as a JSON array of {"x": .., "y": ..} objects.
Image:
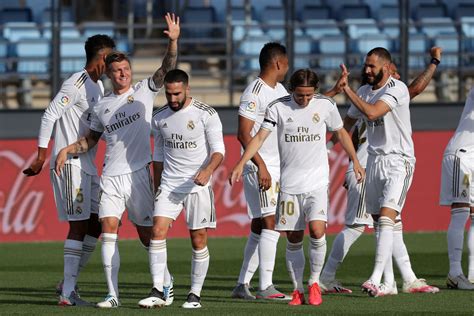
[
  {"x": 204, "y": 221},
  {"x": 321, "y": 212},
  {"x": 147, "y": 219}
]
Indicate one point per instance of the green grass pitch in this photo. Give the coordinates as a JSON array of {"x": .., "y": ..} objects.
[{"x": 29, "y": 272}]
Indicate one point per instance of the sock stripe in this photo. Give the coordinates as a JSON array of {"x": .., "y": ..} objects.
[
  {"x": 157, "y": 246},
  {"x": 109, "y": 239},
  {"x": 294, "y": 246},
  {"x": 72, "y": 252},
  {"x": 385, "y": 222},
  {"x": 203, "y": 254}
]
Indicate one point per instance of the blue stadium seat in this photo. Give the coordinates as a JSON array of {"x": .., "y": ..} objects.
[
  {"x": 315, "y": 13},
  {"x": 414, "y": 4},
  {"x": 319, "y": 28},
  {"x": 13, "y": 31},
  {"x": 388, "y": 12},
  {"x": 37, "y": 8},
  {"x": 467, "y": 29},
  {"x": 366, "y": 42},
  {"x": 73, "y": 56},
  {"x": 10, "y": 4},
  {"x": 337, "y": 5},
  {"x": 430, "y": 11},
  {"x": 464, "y": 10},
  {"x": 33, "y": 56},
  {"x": 436, "y": 26},
  {"x": 3, "y": 55},
  {"x": 273, "y": 22},
  {"x": 450, "y": 45},
  {"x": 358, "y": 27},
  {"x": 300, "y": 5},
  {"x": 193, "y": 16},
  {"x": 15, "y": 15},
  {"x": 417, "y": 48},
  {"x": 261, "y": 6},
  {"x": 68, "y": 30},
  {"x": 252, "y": 28},
  {"x": 332, "y": 49},
  {"x": 361, "y": 11},
  {"x": 250, "y": 50},
  {"x": 375, "y": 5},
  {"x": 303, "y": 48},
  {"x": 93, "y": 28},
  {"x": 66, "y": 15},
  {"x": 391, "y": 27}
]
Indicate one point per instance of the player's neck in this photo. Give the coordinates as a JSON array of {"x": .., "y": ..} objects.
[
  {"x": 381, "y": 83},
  {"x": 268, "y": 78},
  {"x": 93, "y": 72}
]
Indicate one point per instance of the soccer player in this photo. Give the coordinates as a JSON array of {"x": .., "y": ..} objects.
[
  {"x": 124, "y": 120},
  {"x": 262, "y": 175},
  {"x": 457, "y": 191},
  {"x": 383, "y": 103},
  {"x": 189, "y": 146},
  {"x": 357, "y": 217},
  {"x": 76, "y": 191},
  {"x": 301, "y": 120}
]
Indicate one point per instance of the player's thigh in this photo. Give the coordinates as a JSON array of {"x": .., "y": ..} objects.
[
  {"x": 200, "y": 209},
  {"x": 457, "y": 174},
  {"x": 139, "y": 201},
  {"x": 315, "y": 205},
  {"x": 398, "y": 178},
  {"x": 289, "y": 214},
  {"x": 111, "y": 197},
  {"x": 356, "y": 209},
  {"x": 168, "y": 204},
  {"x": 260, "y": 203},
  {"x": 374, "y": 185},
  {"x": 72, "y": 193}
]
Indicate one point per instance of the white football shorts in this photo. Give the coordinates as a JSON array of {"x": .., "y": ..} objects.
[
  {"x": 356, "y": 210},
  {"x": 76, "y": 193},
  {"x": 388, "y": 179},
  {"x": 295, "y": 210},
  {"x": 261, "y": 203},
  {"x": 132, "y": 191},
  {"x": 199, "y": 206},
  {"x": 457, "y": 174}
]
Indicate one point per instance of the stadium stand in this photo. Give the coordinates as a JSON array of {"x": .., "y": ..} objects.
[{"x": 33, "y": 56}]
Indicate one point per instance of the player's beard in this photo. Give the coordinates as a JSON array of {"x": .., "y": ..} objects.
[
  {"x": 373, "y": 81},
  {"x": 179, "y": 107}
]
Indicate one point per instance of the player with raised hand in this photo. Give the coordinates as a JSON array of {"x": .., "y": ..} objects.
[
  {"x": 301, "y": 121},
  {"x": 123, "y": 119},
  {"x": 76, "y": 191}
]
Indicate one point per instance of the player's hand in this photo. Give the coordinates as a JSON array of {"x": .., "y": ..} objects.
[
  {"x": 343, "y": 80},
  {"x": 173, "y": 26},
  {"x": 359, "y": 172},
  {"x": 264, "y": 178},
  {"x": 60, "y": 161},
  {"x": 435, "y": 52},
  {"x": 35, "y": 168},
  {"x": 236, "y": 174},
  {"x": 202, "y": 177}
]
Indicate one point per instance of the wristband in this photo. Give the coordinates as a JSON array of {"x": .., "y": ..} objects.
[{"x": 435, "y": 61}]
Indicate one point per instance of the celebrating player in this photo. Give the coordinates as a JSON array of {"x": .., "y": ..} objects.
[
  {"x": 124, "y": 120},
  {"x": 301, "y": 120},
  {"x": 76, "y": 191},
  {"x": 189, "y": 146},
  {"x": 457, "y": 191},
  {"x": 262, "y": 175}
]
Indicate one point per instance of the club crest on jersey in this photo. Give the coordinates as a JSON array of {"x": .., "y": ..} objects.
[
  {"x": 190, "y": 125},
  {"x": 315, "y": 118},
  {"x": 283, "y": 220},
  {"x": 64, "y": 100},
  {"x": 130, "y": 99},
  {"x": 251, "y": 106}
]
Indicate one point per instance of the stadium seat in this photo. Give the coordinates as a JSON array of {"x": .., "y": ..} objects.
[
  {"x": 319, "y": 28},
  {"x": 464, "y": 10},
  {"x": 361, "y": 11},
  {"x": 388, "y": 12},
  {"x": 337, "y": 5},
  {"x": 300, "y": 5},
  {"x": 273, "y": 22},
  {"x": 68, "y": 30},
  {"x": 376, "y": 5},
  {"x": 13, "y": 31},
  {"x": 303, "y": 48},
  {"x": 332, "y": 50},
  {"x": 72, "y": 55},
  {"x": 33, "y": 56},
  {"x": 3, "y": 55},
  {"x": 193, "y": 17},
  {"x": 436, "y": 26},
  {"x": 249, "y": 49},
  {"x": 315, "y": 13},
  {"x": 358, "y": 27},
  {"x": 450, "y": 45},
  {"x": 391, "y": 27},
  {"x": 93, "y": 28},
  {"x": 467, "y": 29},
  {"x": 417, "y": 48},
  {"x": 430, "y": 11},
  {"x": 15, "y": 15},
  {"x": 37, "y": 8},
  {"x": 66, "y": 15}
]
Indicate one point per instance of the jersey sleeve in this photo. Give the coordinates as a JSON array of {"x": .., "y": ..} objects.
[
  {"x": 249, "y": 106},
  {"x": 334, "y": 120},
  {"x": 158, "y": 147},
  {"x": 67, "y": 96},
  {"x": 214, "y": 134},
  {"x": 270, "y": 121},
  {"x": 395, "y": 96}
]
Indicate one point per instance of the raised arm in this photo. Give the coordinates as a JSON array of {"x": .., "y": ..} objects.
[
  {"x": 81, "y": 146},
  {"x": 421, "y": 82},
  {"x": 169, "y": 61}
]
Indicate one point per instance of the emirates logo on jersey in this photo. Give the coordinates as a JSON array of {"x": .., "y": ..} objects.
[
  {"x": 130, "y": 99},
  {"x": 315, "y": 118},
  {"x": 190, "y": 125}
]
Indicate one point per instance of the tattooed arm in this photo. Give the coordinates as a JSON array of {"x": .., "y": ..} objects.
[
  {"x": 419, "y": 84},
  {"x": 169, "y": 61},
  {"x": 79, "y": 147}
]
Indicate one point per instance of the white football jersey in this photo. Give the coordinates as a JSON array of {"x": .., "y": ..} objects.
[
  {"x": 301, "y": 131},
  {"x": 71, "y": 109},
  {"x": 253, "y": 105},
  {"x": 464, "y": 135},
  {"x": 184, "y": 142},
  {"x": 125, "y": 121},
  {"x": 391, "y": 133}
]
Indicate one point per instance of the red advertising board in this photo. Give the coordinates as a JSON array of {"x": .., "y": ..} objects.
[{"x": 28, "y": 213}]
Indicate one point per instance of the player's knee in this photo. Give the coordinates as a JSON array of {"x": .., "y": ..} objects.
[
  {"x": 268, "y": 222},
  {"x": 295, "y": 236},
  {"x": 159, "y": 232},
  {"x": 199, "y": 239}
]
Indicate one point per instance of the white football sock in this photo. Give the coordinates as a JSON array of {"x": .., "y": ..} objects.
[
  {"x": 455, "y": 235},
  {"x": 384, "y": 247},
  {"x": 400, "y": 254},
  {"x": 388, "y": 276},
  {"x": 470, "y": 247},
  {"x": 88, "y": 247},
  {"x": 72, "y": 257},
  {"x": 250, "y": 263},
  {"x": 111, "y": 262},
  {"x": 295, "y": 262},
  {"x": 167, "y": 276},
  {"x": 267, "y": 252},
  {"x": 340, "y": 247},
  {"x": 199, "y": 266},
  {"x": 317, "y": 253},
  {"x": 157, "y": 256}
]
